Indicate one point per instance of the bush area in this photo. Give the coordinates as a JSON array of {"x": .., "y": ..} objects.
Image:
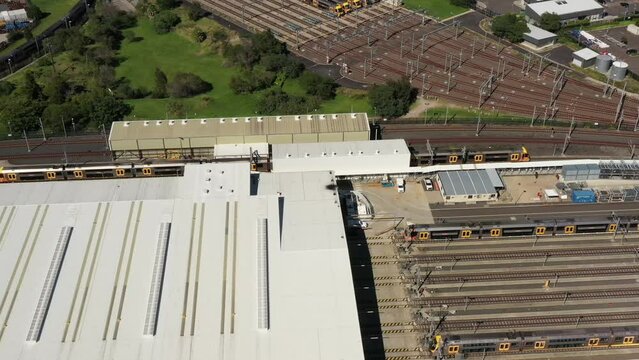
[{"x": 392, "y": 99}]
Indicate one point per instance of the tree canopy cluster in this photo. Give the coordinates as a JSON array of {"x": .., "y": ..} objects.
[
  {"x": 550, "y": 22},
  {"x": 55, "y": 96},
  {"x": 392, "y": 99},
  {"x": 510, "y": 26},
  {"x": 266, "y": 63}
]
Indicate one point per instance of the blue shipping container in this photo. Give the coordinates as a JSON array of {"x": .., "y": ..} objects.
[{"x": 583, "y": 196}]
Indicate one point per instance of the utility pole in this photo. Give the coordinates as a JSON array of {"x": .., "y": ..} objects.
[
  {"x": 44, "y": 137},
  {"x": 64, "y": 128},
  {"x": 532, "y": 118},
  {"x": 26, "y": 139}
]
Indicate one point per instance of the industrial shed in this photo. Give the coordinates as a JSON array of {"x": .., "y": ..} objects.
[
  {"x": 197, "y": 267},
  {"x": 376, "y": 156},
  {"x": 539, "y": 37},
  {"x": 584, "y": 58},
  {"x": 568, "y": 10},
  {"x": 196, "y": 138},
  {"x": 469, "y": 186}
]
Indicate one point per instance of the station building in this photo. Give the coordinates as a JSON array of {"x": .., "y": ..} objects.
[
  {"x": 568, "y": 10},
  {"x": 469, "y": 185},
  {"x": 213, "y": 264},
  {"x": 197, "y": 138}
]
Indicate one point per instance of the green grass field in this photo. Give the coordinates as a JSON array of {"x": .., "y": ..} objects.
[
  {"x": 440, "y": 9},
  {"x": 173, "y": 53},
  {"x": 56, "y": 9}
]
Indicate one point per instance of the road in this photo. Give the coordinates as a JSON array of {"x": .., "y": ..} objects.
[
  {"x": 465, "y": 213},
  {"x": 78, "y": 149}
]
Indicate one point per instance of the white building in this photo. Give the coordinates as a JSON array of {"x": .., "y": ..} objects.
[
  {"x": 19, "y": 15},
  {"x": 584, "y": 58},
  {"x": 568, "y": 10},
  {"x": 177, "y": 268},
  {"x": 344, "y": 158},
  {"x": 469, "y": 185}
]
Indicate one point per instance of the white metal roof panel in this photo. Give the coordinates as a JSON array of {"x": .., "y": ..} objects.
[
  {"x": 586, "y": 54},
  {"x": 472, "y": 182},
  {"x": 539, "y": 33}
]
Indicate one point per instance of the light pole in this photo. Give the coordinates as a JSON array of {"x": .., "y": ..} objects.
[
  {"x": 9, "y": 125},
  {"x": 44, "y": 136},
  {"x": 66, "y": 160},
  {"x": 73, "y": 125},
  {"x": 10, "y": 67},
  {"x": 26, "y": 139},
  {"x": 520, "y": 195}
]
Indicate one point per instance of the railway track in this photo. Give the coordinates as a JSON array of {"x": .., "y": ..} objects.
[
  {"x": 528, "y": 298},
  {"x": 535, "y": 321},
  {"x": 522, "y": 254}
]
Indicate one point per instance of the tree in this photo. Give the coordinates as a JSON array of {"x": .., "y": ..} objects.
[
  {"x": 167, "y": 4},
  {"x": 165, "y": 21},
  {"x": 550, "y": 22},
  {"x": 194, "y": 11},
  {"x": 56, "y": 89},
  {"x": 24, "y": 113},
  {"x": 510, "y": 26},
  {"x": 160, "y": 84},
  {"x": 6, "y": 88},
  {"x": 265, "y": 43},
  {"x": 187, "y": 84},
  {"x": 99, "y": 108},
  {"x": 199, "y": 35},
  {"x": 30, "y": 87},
  {"x": 176, "y": 108},
  {"x": 392, "y": 99},
  {"x": 279, "y": 102},
  {"x": 249, "y": 81},
  {"x": 34, "y": 12},
  {"x": 318, "y": 85}
]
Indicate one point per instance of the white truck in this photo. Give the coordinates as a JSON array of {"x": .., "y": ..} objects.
[{"x": 401, "y": 185}]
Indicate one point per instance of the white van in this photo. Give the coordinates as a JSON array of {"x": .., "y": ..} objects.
[{"x": 401, "y": 185}]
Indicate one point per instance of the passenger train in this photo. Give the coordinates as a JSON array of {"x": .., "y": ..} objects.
[
  {"x": 527, "y": 342},
  {"x": 471, "y": 156},
  {"x": 79, "y": 172},
  {"x": 532, "y": 228}
]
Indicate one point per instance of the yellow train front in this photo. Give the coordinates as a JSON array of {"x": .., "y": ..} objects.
[{"x": 437, "y": 232}]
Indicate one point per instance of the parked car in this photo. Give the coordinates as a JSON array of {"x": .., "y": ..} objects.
[{"x": 428, "y": 185}]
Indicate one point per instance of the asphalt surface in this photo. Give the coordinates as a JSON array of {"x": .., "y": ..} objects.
[
  {"x": 55, "y": 150},
  {"x": 465, "y": 213}
]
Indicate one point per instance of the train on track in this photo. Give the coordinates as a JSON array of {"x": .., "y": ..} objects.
[
  {"x": 472, "y": 156},
  {"x": 530, "y": 342},
  {"x": 534, "y": 228},
  {"x": 78, "y": 172},
  {"x": 338, "y": 7}
]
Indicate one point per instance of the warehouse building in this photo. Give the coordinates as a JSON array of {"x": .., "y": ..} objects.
[
  {"x": 197, "y": 138},
  {"x": 367, "y": 157},
  {"x": 192, "y": 267},
  {"x": 568, "y": 10},
  {"x": 538, "y": 37},
  {"x": 469, "y": 185}
]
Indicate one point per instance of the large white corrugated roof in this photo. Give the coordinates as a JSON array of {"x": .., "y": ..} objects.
[
  {"x": 235, "y": 286},
  {"x": 564, "y": 7}
]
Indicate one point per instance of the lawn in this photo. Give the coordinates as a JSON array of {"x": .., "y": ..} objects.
[
  {"x": 439, "y": 9},
  {"x": 173, "y": 53},
  {"x": 56, "y": 10}
]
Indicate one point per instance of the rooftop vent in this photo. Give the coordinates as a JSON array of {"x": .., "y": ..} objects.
[
  {"x": 248, "y": 120},
  {"x": 323, "y": 153},
  {"x": 127, "y": 123},
  {"x": 309, "y": 117},
  {"x": 307, "y": 155},
  {"x": 158, "y": 123},
  {"x": 184, "y": 122},
  {"x": 146, "y": 123},
  {"x": 171, "y": 122},
  {"x": 350, "y": 153},
  {"x": 278, "y": 118},
  {"x": 334, "y": 153},
  {"x": 353, "y": 115},
  {"x": 297, "y": 118},
  {"x": 361, "y": 152},
  {"x": 260, "y": 119},
  {"x": 234, "y": 120},
  {"x": 377, "y": 151},
  {"x": 222, "y": 120},
  {"x": 322, "y": 117},
  {"x": 334, "y": 116},
  {"x": 203, "y": 121}
]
